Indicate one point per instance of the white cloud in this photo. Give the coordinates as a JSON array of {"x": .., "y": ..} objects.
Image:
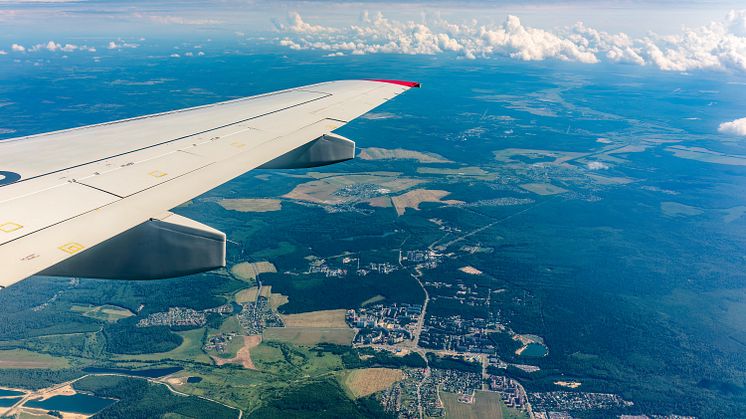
[
  {"x": 120, "y": 44},
  {"x": 716, "y": 46},
  {"x": 597, "y": 165},
  {"x": 17, "y": 48},
  {"x": 3, "y": 52},
  {"x": 175, "y": 55},
  {"x": 737, "y": 127}
]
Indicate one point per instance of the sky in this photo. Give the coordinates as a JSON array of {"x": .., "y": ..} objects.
[{"x": 668, "y": 35}]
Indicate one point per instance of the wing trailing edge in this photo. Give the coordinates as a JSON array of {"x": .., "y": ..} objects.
[{"x": 166, "y": 247}]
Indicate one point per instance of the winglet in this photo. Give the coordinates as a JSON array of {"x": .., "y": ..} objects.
[{"x": 399, "y": 82}]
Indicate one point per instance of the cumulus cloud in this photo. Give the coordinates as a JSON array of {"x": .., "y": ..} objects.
[
  {"x": 597, "y": 165},
  {"x": 716, "y": 46},
  {"x": 55, "y": 47},
  {"x": 17, "y": 48},
  {"x": 3, "y": 52},
  {"x": 119, "y": 44},
  {"x": 736, "y": 127}
]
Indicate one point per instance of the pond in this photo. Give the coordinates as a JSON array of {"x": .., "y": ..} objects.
[
  {"x": 78, "y": 403},
  {"x": 10, "y": 393},
  {"x": 10, "y": 401},
  {"x": 534, "y": 350}
]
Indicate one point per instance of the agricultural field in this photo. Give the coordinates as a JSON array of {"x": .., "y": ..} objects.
[
  {"x": 189, "y": 350},
  {"x": 23, "y": 359},
  {"x": 366, "y": 381},
  {"x": 375, "y": 153},
  {"x": 249, "y": 271},
  {"x": 107, "y": 313},
  {"x": 340, "y": 188},
  {"x": 251, "y": 205},
  {"x": 485, "y": 405},
  {"x": 414, "y": 198},
  {"x": 310, "y": 336},
  {"x": 315, "y": 319}
]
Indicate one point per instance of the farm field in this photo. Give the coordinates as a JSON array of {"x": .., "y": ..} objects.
[
  {"x": 366, "y": 381},
  {"x": 189, "y": 350},
  {"x": 315, "y": 319},
  {"x": 23, "y": 359},
  {"x": 108, "y": 313},
  {"x": 310, "y": 336}
]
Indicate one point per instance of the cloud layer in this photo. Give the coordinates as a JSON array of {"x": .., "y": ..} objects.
[
  {"x": 716, "y": 46},
  {"x": 737, "y": 127}
]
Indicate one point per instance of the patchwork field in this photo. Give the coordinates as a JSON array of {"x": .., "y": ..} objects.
[
  {"x": 251, "y": 205},
  {"x": 248, "y": 271},
  {"x": 107, "y": 312},
  {"x": 414, "y": 198},
  {"x": 485, "y": 405},
  {"x": 23, "y": 359},
  {"x": 243, "y": 355},
  {"x": 189, "y": 350},
  {"x": 310, "y": 336},
  {"x": 459, "y": 171},
  {"x": 375, "y": 153},
  {"x": 315, "y": 319},
  {"x": 543, "y": 188},
  {"x": 366, "y": 381},
  {"x": 343, "y": 188}
]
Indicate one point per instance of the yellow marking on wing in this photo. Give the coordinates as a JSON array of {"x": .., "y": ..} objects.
[
  {"x": 10, "y": 227},
  {"x": 71, "y": 248}
]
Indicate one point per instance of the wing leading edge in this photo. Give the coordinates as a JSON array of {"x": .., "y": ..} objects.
[{"x": 94, "y": 201}]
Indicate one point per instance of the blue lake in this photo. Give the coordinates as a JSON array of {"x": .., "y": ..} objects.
[
  {"x": 534, "y": 350},
  {"x": 9, "y": 402},
  {"x": 9, "y": 393},
  {"x": 79, "y": 403},
  {"x": 149, "y": 373}
]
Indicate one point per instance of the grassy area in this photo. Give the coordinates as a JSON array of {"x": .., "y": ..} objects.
[
  {"x": 310, "y": 336},
  {"x": 251, "y": 205},
  {"x": 108, "y": 313},
  {"x": 366, "y": 381},
  {"x": 485, "y": 405},
  {"x": 230, "y": 325},
  {"x": 283, "y": 248},
  {"x": 189, "y": 350},
  {"x": 289, "y": 360},
  {"x": 23, "y": 359},
  {"x": 314, "y": 319},
  {"x": 247, "y": 295},
  {"x": 249, "y": 271}
]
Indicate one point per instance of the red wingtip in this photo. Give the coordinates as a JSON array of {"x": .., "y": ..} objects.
[{"x": 399, "y": 82}]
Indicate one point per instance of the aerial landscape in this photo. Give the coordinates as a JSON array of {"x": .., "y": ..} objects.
[{"x": 521, "y": 237}]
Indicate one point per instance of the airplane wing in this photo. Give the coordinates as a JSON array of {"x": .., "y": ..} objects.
[{"x": 94, "y": 201}]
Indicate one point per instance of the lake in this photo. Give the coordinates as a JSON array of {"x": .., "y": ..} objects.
[
  {"x": 9, "y": 402},
  {"x": 79, "y": 403},
  {"x": 534, "y": 350},
  {"x": 10, "y": 393}
]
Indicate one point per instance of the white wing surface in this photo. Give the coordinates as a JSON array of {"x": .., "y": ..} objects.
[{"x": 94, "y": 201}]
